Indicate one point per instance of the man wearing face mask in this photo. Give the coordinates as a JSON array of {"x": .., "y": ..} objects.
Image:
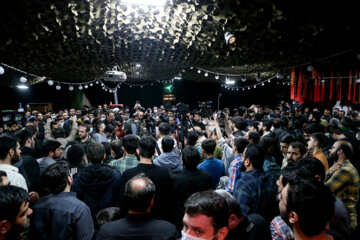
[{"x": 206, "y": 217}]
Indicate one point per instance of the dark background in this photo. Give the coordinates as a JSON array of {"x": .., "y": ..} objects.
[{"x": 189, "y": 92}]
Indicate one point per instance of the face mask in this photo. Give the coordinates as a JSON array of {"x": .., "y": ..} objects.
[
  {"x": 102, "y": 119},
  {"x": 185, "y": 236},
  {"x": 62, "y": 125},
  {"x": 155, "y": 111},
  {"x": 204, "y": 122}
]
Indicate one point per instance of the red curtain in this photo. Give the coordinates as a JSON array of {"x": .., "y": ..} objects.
[
  {"x": 292, "y": 88},
  {"x": 339, "y": 83},
  {"x": 350, "y": 84},
  {"x": 331, "y": 86},
  {"x": 299, "y": 87}
]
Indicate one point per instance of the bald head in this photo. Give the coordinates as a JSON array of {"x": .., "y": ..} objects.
[{"x": 139, "y": 194}]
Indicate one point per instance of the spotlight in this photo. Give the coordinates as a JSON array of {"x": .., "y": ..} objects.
[
  {"x": 23, "y": 79},
  {"x": 280, "y": 76},
  {"x": 206, "y": 74},
  {"x": 229, "y": 38},
  {"x": 58, "y": 87},
  {"x": 138, "y": 65},
  {"x": 243, "y": 78},
  {"x": 229, "y": 81},
  {"x": 71, "y": 88},
  {"x": 51, "y": 82},
  {"x": 310, "y": 68},
  {"x": 22, "y": 86},
  {"x": 2, "y": 70}
]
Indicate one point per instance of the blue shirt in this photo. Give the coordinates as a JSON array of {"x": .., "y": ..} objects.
[
  {"x": 215, "y": 167},
  {"x": 256, "y": 193}
]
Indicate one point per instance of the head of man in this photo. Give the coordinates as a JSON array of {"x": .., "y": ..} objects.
[
  {"x": 285, "y": 143},
  {"x": 167, "y": 144},
  {"x": 313, "y": 128},
  {"x": 75, "y": 154},
  {"x": 12, "y": 125},
  {"x": 285, "y": 175},
  {"x": 57, "y": 178},
  {"x": 72, "y": 111},
  {"x": 164, "y": 129},
  {"x": 139, "y": 194},
  {"x": 317, "y": 141},
  {"x": 253, "y": 158},
  {"x": 235, "y": 215},
  {"x": 306, "y": 206},
  {"x": 296, "y": 151},
  {"x": 14, "y": 211},
  {"x": 83, "y": 132},
  {"x": 206, "y": 216},
  {"x": 110, "y": 117},
  {"x": 3, "y": 179},
  {"x": 52, "y": 149},
  {"x": 190, "y": 157},
  {"x": 172, "y": 120},
  {"x": 39, "y": 117},
  {"x": 197, "y": 117},
  {"x": 208, "y": 146},
  {"x": 147, "y": 146},
  {"x": 9, "y": 150},
  {"x": 240, "y": 143},
  {"x": 130, "y": 144},
  {"x": 96, "y": 153},
  {"x": 310, "y": 167},
  {"x": 340, "y": 150},
  {"x": 26, "y": 138},
  {"x": 116, "y": 148}
]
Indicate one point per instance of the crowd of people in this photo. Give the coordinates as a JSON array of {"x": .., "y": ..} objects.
[{"x": 288, "y": 172}]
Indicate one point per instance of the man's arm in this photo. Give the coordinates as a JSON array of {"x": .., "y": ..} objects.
[
  {"x": 84, "y": 223},
  {"x": 48, "y": 134},
  {"x": 74, "y": 126}
]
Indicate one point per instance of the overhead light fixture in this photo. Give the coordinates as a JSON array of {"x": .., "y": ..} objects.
[
  {"x": 158, "y": 3},
  {"x": 243, "y": 78},
  {"x": 137, "y": 73},
  {"x": 80, "y": 87},
  {"x": 229, "y": 82},
  {"x": 51, "y": 82},
  {"x": 258, "y": 77},
  {"x": 2, "y": 70},
  {"x": 71, "y": 88},
  {"x": 177, "y": 78},
  {"x": 91, "y": 84},
  {"x": 310, "y": 68},
  {"x": 206, "y": 74},
  {"x": 138, "y": 65},
  {"x": 229, "y": 38},
  {"x": 58, "y": 87},
  {"x": 86, "y": 86},
  {"x": 23, "y": 79},
  {"x": 22, "y": 86},
  {"x": 216, "y": 76},
  {"x": 199, "y": 71}
]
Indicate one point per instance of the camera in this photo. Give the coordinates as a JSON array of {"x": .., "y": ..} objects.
[
  {"x": 182, "y": 108},
  {"x": 220, "y": 115},
  {"x": 205, "y": 109}
]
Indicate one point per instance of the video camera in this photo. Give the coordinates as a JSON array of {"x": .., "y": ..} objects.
[{"x": 205, "y": 109}]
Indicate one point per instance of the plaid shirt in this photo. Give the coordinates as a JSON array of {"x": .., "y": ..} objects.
[
  {"x": 344, "y": 183},
  {"x": 124, "y": 164},
  {"x": 280, "y": 230},
  {"x": 234, "y": 173},
  {"x": 256, "y": 193}
]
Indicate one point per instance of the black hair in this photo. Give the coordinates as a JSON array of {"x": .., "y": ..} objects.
[
  {"x": 208, "y": 145},
  {"x": 130, "y": 143},
  {"x": 95, "y": 153},
  {"x": 7, "y": 143},
  {"x": 316, "y": 115},
  {"x": 116, "y": 146},
  {"x": 237, "y": 122},
  {"x": 109, "y": 129},
  {"x": 50, "y": 146},
  {"x": 190, "y": 157},
  {"x": 75, "y": 154},
  {"x": 2, "y": 174},
  {"x": 314, "y": 128},
  {"x": 192, "y": 138},
  {"x": 107, "y": 148},
  {"x": 59, "y": 133},
  {"x": 167, "y": 144},
  {"x": 164, "y": 128},
  {"x": 276, "y": 123},
  {"x": 12, "y": 197},
  {"x": 139, "y": 198},
  {"x": 334, "y": 129},
  {"x": 313, "y": 202},
  {"x": 255, "y": 136},
  {"x": 211, "y": 204},
  {"x": 255, "y": 154},
  {"x": 287, "y": 138},
  {"x": 287, "y": 172},
  {"x": 107, "y": 215},
  {"x": 147, "y": 146},
  {"x": 241, "y": 143},
  {"x": 267, "y": 123},
  {"x": 11, "y": 123},
  {"x": 31, "y": 129},
  {"x": 321, "y": 138},
  {"x": 312, "y": 165},
  {"x": 346, "y": 149},
  {"x": 23, "y": 135},
  {"x": 234, "y": 206},
  {"x": 55, "y": 177},
  {"x": 300, "y": 146}
]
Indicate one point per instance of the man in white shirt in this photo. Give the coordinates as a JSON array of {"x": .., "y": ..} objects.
[{"x": 10, "y": 154}]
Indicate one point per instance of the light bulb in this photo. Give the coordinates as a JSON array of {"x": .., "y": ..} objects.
[
  {"x": 310, "y": 68},
  {"x": 2, "y": 70},
  {"x": 51, "y": 82},
  {"x": 91, "y": 84},
  {"x": 23, "y": 79},
  {"x": 58, "y": 87},
  {"x": 80, "y": 87},
  {"x": 97, "y": 82},
  {"x": 216, "y": 77},
  {"x": 102, "y": 84},
  {"x": 71, "y": 88},
  {"x": 206, "y": 74},
  {"x": 199, "y": 71},
  {"x": 243, "y": 78},
  {"x": 86, "y": 86}
]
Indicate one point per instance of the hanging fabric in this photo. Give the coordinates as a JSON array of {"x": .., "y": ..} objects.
[
  {"x": 299, "y": 87},
  {"x": 331, "y": 86},
  {"x": 292, "y": 88},
  {"x": 350, "y": 85}
]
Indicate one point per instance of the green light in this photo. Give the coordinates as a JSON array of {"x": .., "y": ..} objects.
[{"x": 169, "y": 88}]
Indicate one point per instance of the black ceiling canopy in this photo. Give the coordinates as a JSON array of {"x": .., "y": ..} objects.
[{"x": 78, "y": 40}]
